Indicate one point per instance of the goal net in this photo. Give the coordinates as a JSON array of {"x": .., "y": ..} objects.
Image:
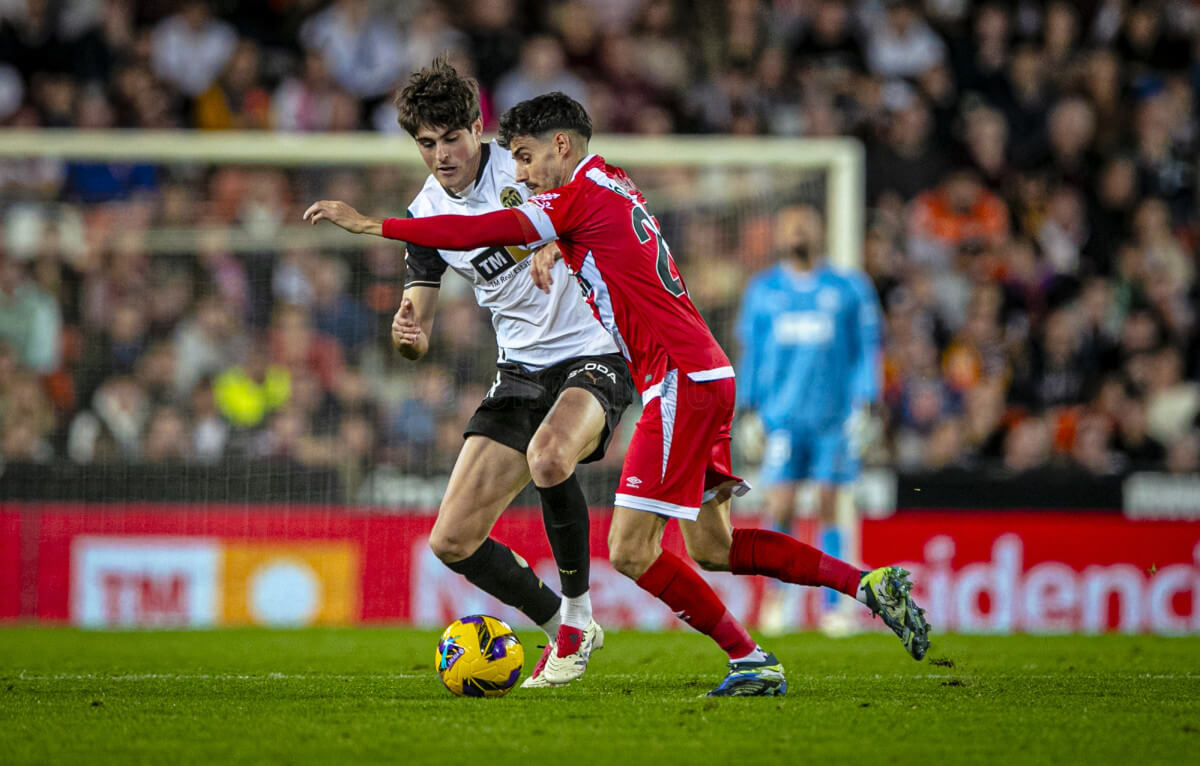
[{"x": 202, "y": 349}]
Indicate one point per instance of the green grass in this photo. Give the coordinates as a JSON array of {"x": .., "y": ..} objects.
[{"x": 334, "y": 696}]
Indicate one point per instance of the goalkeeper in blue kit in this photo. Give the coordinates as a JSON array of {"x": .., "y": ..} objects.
[{"x": 809, "y": 373}]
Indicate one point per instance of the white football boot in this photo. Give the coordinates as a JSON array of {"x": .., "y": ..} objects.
[{"x": 566, "y": 668}]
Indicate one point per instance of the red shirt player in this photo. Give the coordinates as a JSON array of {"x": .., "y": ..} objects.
[{"x": 678, "y": 463}]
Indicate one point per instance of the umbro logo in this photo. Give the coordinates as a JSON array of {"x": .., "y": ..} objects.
[{"x": 633, "y": 481}]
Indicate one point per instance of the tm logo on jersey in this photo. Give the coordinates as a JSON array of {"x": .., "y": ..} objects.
[
  {"x": 491, "y": 264},
  {"x": 634, "y": 482}
]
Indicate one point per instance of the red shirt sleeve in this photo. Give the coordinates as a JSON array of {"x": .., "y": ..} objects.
[{"x": 461, "y": 232}]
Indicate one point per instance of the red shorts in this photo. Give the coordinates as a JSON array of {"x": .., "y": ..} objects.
[{"x": 679, "y": 454}]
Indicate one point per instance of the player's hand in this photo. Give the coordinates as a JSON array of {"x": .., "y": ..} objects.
[
  {"x": 862, "y": 428},
  {"x": 339, "y": 213},
  {"x": 407, "y": 336},
  {"x": 542, "y": 264},
  {"x": 750, "y": 436}
]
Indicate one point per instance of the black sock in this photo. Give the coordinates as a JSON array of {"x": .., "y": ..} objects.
[
  {"x": 495, "y": 569},
  {"x": 565, "y": 511}
]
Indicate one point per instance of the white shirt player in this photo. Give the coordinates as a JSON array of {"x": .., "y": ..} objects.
[{"x": 532, "y": 328}]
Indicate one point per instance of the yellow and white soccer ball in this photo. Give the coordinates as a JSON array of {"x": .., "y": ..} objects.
[{"x": 479, "y": 656}]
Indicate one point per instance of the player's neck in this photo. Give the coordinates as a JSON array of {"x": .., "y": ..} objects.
[
  {"x": 797, "y": 266},
  {"x": 572, "y": 162}
]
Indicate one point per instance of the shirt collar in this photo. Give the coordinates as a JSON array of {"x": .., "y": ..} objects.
[{"x": 581, "y": 165}]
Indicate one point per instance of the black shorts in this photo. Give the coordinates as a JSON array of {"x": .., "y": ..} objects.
[{"x": 519, "y": 399}]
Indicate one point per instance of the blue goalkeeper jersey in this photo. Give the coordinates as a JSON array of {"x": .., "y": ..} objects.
[{"x": 810, "y": 346}]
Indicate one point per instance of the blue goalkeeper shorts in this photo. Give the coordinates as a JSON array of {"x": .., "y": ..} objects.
[{"x": 803, "y": 454}]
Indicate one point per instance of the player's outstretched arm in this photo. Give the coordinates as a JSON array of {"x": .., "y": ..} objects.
[
  {"x": 463, "y": 232},
  {"x": 341, "y": 214},
  {"x": 413, "y": 322}
]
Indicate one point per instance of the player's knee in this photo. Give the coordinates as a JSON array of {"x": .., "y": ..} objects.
[
  {"x": 450, "y": 547},
  {"x": 630, "y": 558},
  {"x": 549, "y": 465}
]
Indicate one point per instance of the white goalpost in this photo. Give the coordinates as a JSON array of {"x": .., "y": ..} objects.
[{"x": 840, "y": 159}]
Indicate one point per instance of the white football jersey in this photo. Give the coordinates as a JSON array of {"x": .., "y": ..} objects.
[{"x": 532, "y": 328}]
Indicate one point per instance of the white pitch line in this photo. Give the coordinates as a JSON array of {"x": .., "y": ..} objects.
[
  {"x": 948, "y": 676},
  {"x": 25, "y": 676}
]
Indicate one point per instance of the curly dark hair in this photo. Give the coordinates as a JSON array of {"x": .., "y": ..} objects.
[
  {"x": 542, "y": 114},
  {"x": 438, "y": 96}
]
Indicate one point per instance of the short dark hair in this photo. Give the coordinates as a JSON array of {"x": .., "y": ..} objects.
[
  {"x": 438, "y": 96},
  {"x": 542, "y": 114}
]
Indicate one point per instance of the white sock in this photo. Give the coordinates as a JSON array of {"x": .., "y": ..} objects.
[
  {"x": 577, "y": 611},
  {"x": 550, "y": 626},
  {"x": 758, "y": 655}
]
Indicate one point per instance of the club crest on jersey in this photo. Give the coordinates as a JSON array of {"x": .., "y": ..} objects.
[{"x": 510, "y": 197}]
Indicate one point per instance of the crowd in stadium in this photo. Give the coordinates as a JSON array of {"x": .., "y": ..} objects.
[{"x": 1032, "y": 216}]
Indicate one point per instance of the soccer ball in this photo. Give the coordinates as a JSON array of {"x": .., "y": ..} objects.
[{"x": 479, "y": 656}]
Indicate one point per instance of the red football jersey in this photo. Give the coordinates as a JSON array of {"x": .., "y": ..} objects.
[{"x": 613, "y": 246}]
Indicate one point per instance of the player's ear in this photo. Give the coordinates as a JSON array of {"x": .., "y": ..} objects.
[
  {"x": 477, "y": 128},
  {"x": 562, "y": 144}
]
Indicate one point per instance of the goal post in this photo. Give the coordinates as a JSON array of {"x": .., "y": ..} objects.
[{"x": 840, "y": 159}]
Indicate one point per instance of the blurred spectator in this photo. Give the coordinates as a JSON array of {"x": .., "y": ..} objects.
[
  {"x": 429, "y": 35},
  {"x": 334, "y": 312},
  {"x": 311, "y": 102},
  {"x": 114, "y": 348},
  {"x": 1055, "y": 375},
  {"x": 1172, "y": 403},
  {"x": 828, "y": 47},
  {"x": 166, "y": 437},
  {"x": 206, "y": 343},
  {"x": 980, "y": 59},
  {"x": 210, "y": 433},
  {"x": 246, "y": 393},
  {"x": 12, "y": 91},
  {"x": 1064, "y": 230},
  {"x": 299, "y": 347},
  {"x": 1184, "y": 455},
  {"x": 987, "y": 146},
  {"x": 1027, "y": 446},
  {"x": 900, "y": 43},
  {"x": 30, "y": 320},
  {"x": 959, "y": 212},
  {"x": 29, "y": 37},
  {"x": 361, "y": 51},
  {"x": 191, "y": 48},
  {"x": 1110, "y": 214},
  {"x": 236, "y": 100},
  {"x": 112, "y": 429},
  {"x": 495, "y": 39},
  {"x": 541, "y": 70},
  {"x": 906, "y": 162}
]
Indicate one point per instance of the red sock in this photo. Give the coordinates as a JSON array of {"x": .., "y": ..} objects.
[
  {"x": 762, "y": 552},
  {"x": 689, "y": 596}
]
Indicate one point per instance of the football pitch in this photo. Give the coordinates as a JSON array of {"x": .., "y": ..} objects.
[{"x": 370, "y": 695}]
